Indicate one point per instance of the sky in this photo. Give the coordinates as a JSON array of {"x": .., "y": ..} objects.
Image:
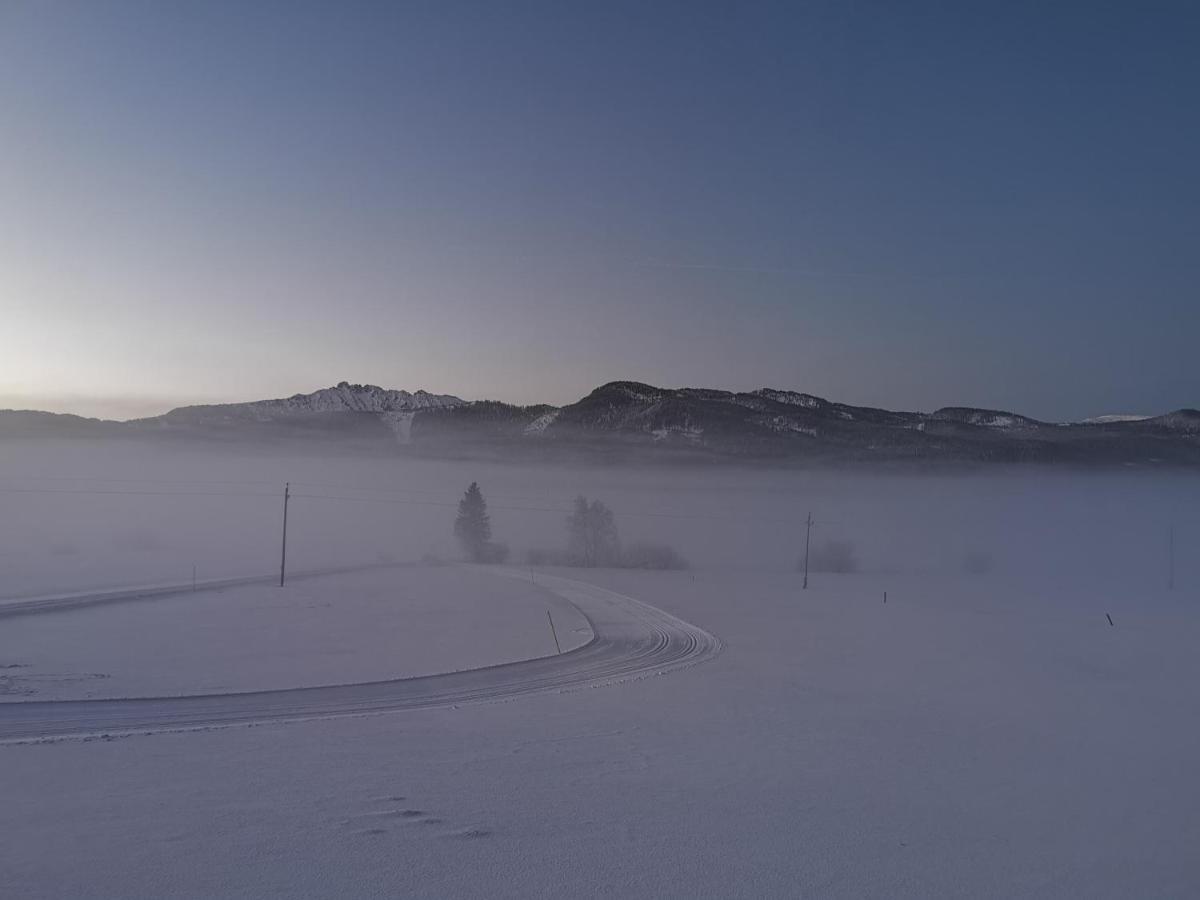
[{"x": 907, "y": 205}]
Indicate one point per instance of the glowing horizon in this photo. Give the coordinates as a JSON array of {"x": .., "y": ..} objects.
[{"x": 898, "y": 208}]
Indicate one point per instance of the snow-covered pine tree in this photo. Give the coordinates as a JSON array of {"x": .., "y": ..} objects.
[{"x": 473, "y": 527}]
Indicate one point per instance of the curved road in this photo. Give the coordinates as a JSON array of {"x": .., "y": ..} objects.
[{"x": 632, "y": 639}]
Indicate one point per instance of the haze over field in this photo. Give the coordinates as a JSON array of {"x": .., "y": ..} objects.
[{"x": 129, "y": 514}]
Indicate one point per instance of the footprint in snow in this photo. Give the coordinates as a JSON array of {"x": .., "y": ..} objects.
[{"x": 470, "y": 834}]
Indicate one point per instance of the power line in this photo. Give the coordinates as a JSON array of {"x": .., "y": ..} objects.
[
  {"x": 134, "y": 480},
  {"x": 6, "y": 490},
  {"x": 384, "y": 500},
  {"x": 550, "y": 509},
  {"x": 391, "y": 501}
]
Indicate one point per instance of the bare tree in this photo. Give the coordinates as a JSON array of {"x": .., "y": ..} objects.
[{"x": 592, "y": 534}]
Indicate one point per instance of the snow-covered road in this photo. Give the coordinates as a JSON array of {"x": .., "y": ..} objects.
[{"x": 631, "y": 640}]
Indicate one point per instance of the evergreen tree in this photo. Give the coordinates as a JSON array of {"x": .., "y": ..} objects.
[{"x": 473, "y": 527}]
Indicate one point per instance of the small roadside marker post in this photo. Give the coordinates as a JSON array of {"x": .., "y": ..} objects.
[
  {"x": 1110, "y": 621},
  {"x": 554, "y": 631}
]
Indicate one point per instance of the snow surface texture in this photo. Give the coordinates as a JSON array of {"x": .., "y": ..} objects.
[
  {"x": 380, "y": 624},
  {"x": 628, "y": 640},
  {"x": 953, "y": 742}
]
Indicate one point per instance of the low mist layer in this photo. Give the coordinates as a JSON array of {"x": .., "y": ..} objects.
[{"x": 79, "y": 515}]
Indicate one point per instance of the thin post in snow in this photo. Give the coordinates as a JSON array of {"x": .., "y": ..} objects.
[
  {"x": 1110, "y": 621},
  {"x": 554, "y": 631},
  {"x": 283, "y": 553},
  {"x": 885, "y": 596}
]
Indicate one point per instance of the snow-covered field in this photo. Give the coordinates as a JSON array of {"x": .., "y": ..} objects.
[
  {"x": 368, "y": 626},
  {"x": 985, "y": 732},
  {"x": 837, "y": 747}
]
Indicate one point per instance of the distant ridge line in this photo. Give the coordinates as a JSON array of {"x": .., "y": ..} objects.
[{"x": 622, "y": 421}]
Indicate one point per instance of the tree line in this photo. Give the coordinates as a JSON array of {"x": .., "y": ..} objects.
[{"x": 591, "y": 539}]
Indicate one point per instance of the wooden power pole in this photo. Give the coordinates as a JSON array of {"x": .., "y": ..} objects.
[{"x": 283, "y": 554}]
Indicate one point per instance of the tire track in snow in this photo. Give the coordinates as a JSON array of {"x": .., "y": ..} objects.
[
  {"x": 631, "y": 640},
  {"x": 28, "y": 606}
]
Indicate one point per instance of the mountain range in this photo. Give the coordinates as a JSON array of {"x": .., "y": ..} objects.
[{"x": 626, "y": 420}]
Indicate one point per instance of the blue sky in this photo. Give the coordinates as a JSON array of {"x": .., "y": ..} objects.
[{"x": 906, "y": 205}]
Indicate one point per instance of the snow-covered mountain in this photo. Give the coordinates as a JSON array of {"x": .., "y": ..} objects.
[
  {"x": 625, "y": 420},
  {"x": 985, "y": 418},
  {"x": 1110, "y": 419},
  {"x": 395, "y": 409}
]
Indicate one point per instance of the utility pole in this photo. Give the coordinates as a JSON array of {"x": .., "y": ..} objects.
[
  {"x": 807, "y": 542},
  {"x": 283, "y": 555}
]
